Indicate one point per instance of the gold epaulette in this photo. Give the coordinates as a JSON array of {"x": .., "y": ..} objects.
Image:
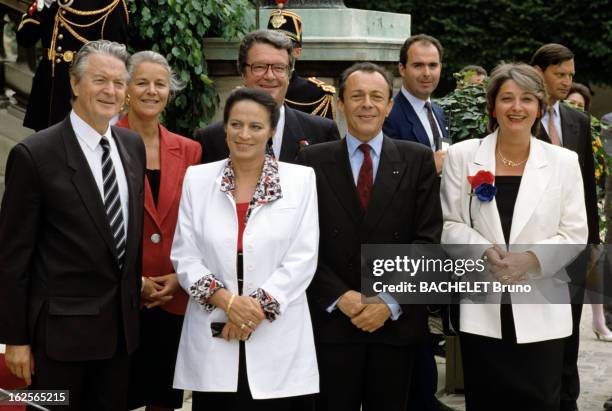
[{"x": 321, "y": 84}]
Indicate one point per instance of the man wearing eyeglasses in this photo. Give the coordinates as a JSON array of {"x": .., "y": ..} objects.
[{"x": 265, "y": 62}]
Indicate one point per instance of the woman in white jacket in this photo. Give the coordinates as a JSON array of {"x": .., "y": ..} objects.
[
  {"x": 523, "y": 208},
  {"x": 245, "y": 249}
]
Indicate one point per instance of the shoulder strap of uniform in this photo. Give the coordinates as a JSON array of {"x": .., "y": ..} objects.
[{"x": 322, "y": 85}]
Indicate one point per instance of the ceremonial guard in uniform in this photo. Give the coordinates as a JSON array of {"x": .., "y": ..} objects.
[
  {"x": 310, "y": 95},
  {"x": 63, "y": 26}
]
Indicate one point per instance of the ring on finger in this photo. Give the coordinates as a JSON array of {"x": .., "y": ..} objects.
[
  {"x": 251, "y": 324},
  {"x": 243, "y": 326}
]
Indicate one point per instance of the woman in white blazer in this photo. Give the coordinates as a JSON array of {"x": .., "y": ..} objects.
[
  {"x": 512, "y": 349},
  {"x": 245, "y": 249}
]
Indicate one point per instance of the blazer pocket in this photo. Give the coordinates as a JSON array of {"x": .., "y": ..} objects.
[{"x": 73, "y": 306}]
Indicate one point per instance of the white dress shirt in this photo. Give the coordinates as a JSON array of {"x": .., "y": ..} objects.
[
  {"x": 89, "y": 140},
  {"x": 277, "y": 139},
  {"x": 421, "y": 111},
  {"x": 557, "y": 120}
]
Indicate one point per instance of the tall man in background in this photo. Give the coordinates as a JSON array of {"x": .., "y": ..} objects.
[
  {"x": 569, "y": 128},
  {"x": 265, "y": 61}
]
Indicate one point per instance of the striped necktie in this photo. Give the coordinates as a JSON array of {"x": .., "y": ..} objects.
[{"x": 112, "y": 202}]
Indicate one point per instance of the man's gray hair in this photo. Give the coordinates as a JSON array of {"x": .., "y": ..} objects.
[
  {"x": 109, "y": 48},
  {"x": 271, "y": 37},
  {"x": 150, "y": 56}
]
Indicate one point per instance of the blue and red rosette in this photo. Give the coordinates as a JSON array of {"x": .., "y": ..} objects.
[{"x": 483, "y": 185}]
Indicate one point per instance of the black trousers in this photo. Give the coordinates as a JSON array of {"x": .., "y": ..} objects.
[
  {"x": 368, "y": 377},
  {"x": 96, "y": 385},
  {"x": 424, "y": 378},
  {"x": 502, "y": 375},
  {"x": 570, "y": 382}
]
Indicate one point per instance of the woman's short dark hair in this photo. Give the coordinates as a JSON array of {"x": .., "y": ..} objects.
[
  {"x": 526, "y": 77},
  {"x": 250, "y": 94},
  {"x": 584, "y": 92}
]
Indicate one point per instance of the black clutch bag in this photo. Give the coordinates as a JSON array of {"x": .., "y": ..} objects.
[{"x": 216, "y": 329}]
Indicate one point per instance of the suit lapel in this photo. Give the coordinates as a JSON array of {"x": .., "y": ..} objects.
[
  {"x": 132, "y": 182},
  {"x": 292, "y": 134},
  {"x": 485, "y": 160},
  {"x": 340, "y": 177},
  {"x": 389, "y": 174},
  {"x": 569, "y": 129},
  {"x": 411, "y": 117},
  {"x": 85, "y": 184},
  {"x": 170, "y": 158},
  {"x": 536, "y": 177},
  {"x": 439, "y": 114}
]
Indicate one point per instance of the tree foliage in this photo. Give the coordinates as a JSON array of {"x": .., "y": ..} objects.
[
  {"x": 176, "y": 29},
  {"x": 465, "y": 109},
  {"x": 484, "y": 33}
]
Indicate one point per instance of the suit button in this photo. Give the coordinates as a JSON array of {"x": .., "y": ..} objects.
[
  {"x": 250, "y": 268},
  {"x": 396, "y": 235},
  {"x": 335, "y": 233},
  {"x": 63, "y": 11},
  {"x": 58, "y": 60},
  {"x": 155, "y": 238},
  {"x": 60, "y": 36},
  {"x": 59, "y": 48}
]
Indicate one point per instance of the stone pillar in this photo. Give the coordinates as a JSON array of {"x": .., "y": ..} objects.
[{"x": 333, "y": 39}]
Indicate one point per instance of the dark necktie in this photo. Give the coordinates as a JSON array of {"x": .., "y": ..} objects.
[
  {"x": 365, "y": 181},
  {"x": 112, "y": 202},
  {"x": 434, "y": 126}
]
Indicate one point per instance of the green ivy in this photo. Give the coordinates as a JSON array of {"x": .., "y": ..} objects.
[
  {"x": 176, "y": 29},
  {"x": 465, "y": 109}
]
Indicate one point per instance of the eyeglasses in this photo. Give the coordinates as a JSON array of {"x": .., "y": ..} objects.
[{"x": 259, "y": 69}]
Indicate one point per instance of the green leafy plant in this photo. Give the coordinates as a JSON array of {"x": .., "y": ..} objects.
[
  {"x": 176, "y": 29},
  {"x": 465, "y": 109}
]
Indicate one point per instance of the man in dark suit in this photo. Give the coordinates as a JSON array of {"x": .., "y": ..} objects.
[
  {"x": 265, "y": 62},
  {"x": 414, "y": 116},
  {"x": 71, "y": 230},
  {"x": 569, "y": 128},
  {"x": 371, "y": 189}
]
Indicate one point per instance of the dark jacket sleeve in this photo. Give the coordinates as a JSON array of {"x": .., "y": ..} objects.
[
  {"x": 32, "y": 26},
  {"x": 428, "y": 229},
  {"x": 590, "y": 190},
  {"x": 19, "y": 221}
]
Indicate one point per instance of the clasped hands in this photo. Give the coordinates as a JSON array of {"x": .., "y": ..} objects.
[
  {"x": 510, "y": 267},
  {"x": 158, "y": 291},
  {"x": 244, "y": 314},
  {"x": 366, "y": 313}
]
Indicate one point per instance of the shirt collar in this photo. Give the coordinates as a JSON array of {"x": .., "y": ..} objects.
[
  {"x": 416, "y": 102},
  {"x": 87, "y": 133},
  {"x": 268, "y": 187},
  {"x": 375, "y": 144}
]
